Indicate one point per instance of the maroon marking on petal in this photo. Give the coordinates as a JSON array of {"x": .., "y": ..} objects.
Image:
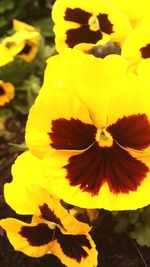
[
  {"x": 37, "y": 235},
  {"x": 2, "y": 92},
  {"x": 145, "y": 51},
  {"x": 82, "y": 35},
  {"x": 131, "y": 131},
  {"x": 48, "y": 214},
  {"x": 105, "y": 24},
  {"x": 97, "y": 165},
  {"x": 72, "y": 245},
  {"x": 77, "y": 15},
  {"x": 72, "y": 134},
  {"x": 26, "y": 50}
]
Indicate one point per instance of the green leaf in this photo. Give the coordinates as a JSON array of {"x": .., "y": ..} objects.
[
  {"x": 134, "y": 215},
  {"x": 20, "y": 105},
  {"x": 45, "y": 25},
  {"x": 121, "y": 225},
  {"x": 5, "y": 111},
  {"x": 17, "y": 147},
  {"x": 33, "y": 86},
  {"x": 141, "y": 234},
  {"x": 15, "y": 71},
  {"x": 3, "y": 22},
  {"x": 6, "y": 5},
  {"x": 146, "y": 216}
]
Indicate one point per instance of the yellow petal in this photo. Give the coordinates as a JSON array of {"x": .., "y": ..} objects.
[
  {"x": 44, "y": 117},
  {"x": 31, "y": 239},
  {"x": 75, "y": 251},
  {"x": 26, "y": 171},
  {"x": 6, "y": 56},
  {"x": 7, "y": 92},
  {"x": 136, "y": 42}
]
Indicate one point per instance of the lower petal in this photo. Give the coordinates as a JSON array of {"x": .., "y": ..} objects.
[
  {"x": 32, "y": 240},
  {"x": 56, "y": 176},
  {"x": 75, "y": 250}
]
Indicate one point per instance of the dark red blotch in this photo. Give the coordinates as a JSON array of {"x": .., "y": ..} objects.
[
  {"x": 114, "y": 165},
  {"x": 145, "y": 51},
  {"x": 77, "y": 15},
  {"x": 2, "y": 92},
  {"x": 48, "y": 214},
  {"x": 72, "y": 245},
  {"x": 37, "y": 235},
  {"x": 71, "y": 134},
  {"x": 105, "y": 24}
]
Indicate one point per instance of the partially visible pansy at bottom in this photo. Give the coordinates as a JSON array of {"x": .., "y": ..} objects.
[
  {"x": 7, "y": 92},
  {"x": 95, "y": 148},
  {"x": 83, "y": 24},
  {"x": 52, "y": 230}
]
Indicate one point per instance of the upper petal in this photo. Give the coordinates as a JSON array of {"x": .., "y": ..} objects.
[
  {"x": 59, "y": 122},
  {"x": 129, "y": 117}
]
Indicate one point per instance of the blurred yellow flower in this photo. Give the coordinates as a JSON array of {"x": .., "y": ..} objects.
[
  {"x": 24, "y": 43},
  {"x": 7, "y": 92}
]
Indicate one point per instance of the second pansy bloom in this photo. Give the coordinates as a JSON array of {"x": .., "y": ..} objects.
[{"x": 83, "y": 24}]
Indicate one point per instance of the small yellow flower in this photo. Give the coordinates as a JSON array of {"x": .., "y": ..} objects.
[
  {"x": 52, "y": 228},
  {"x": 24, "y": 43},
  {"x": 92, "y": 131},
  {"x": 83, "y": 24},
  {"x": 7, "y": 92}
]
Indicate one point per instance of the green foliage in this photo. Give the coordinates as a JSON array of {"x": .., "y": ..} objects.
[
  {"x": 17, "y": 147},
  {"x": 6, "y": 5},
  {"x": 142, "y": 228},
  {"x": 138, "y": 221},
  {"x": 26, "y": 77},
  {"x": 141, "y": 234},
  {"x": 10, "y": 9},
  {"x": 45, "y": 25}
]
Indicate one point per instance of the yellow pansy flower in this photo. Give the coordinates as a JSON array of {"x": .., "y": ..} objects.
[
  {"x": 83, "y": 24},
  {"x": 52, "y": 228},
  {"x": 7, "y": 92},
  {"x": 24, "y": 43},
  {"x": 95, "y": 139}
]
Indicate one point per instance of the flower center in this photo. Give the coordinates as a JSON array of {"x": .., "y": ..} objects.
[
  {"x": 104, "y": 138},
  {"x": 94, "y": 23},
  {"x": 2, "y": 92}
]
